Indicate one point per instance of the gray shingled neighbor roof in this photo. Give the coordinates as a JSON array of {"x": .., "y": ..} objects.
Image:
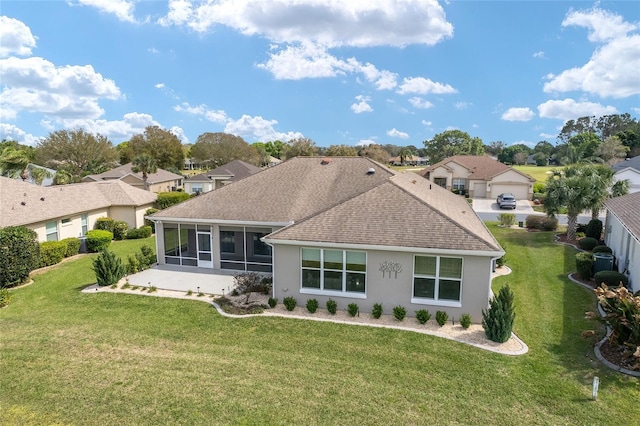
[
  {"x": 124, "y": 170},
  {"x": 633, "y": 163},
  {"x": 482, "y": 167},
  {"x": 24, "y": 203},
  {"x": 626, "y": 209},
  {"x": 234, "y": 170}
]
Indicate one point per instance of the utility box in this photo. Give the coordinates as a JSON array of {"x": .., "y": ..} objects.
[{"x": 602, "y": 262}]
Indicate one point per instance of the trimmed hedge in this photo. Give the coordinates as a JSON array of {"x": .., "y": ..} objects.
[
  {"x": 105, "y": 224},
  {"x": 98, "y": 240},
  {"x": 587, "y": 243},
  {"x": 584, "y": 265},
  {"x": 19, "y": 255},
  {"x": 543, "y": 223},
  {"x": 73, "y": 246},
  {"x": 142, "y": 232},
  {"x": 168, "y": 199},
  {"x": 602, "y": 249},
  {"x": 120, "y": 228},
  {"x": 52, "y": 252},
  {"x": 611, "y": 278}
]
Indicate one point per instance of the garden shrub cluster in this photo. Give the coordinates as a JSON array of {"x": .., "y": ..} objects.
[
  {"x": 98, "y": 240},
  {"x": 52, "y": 252},
  {"x": 312, "y": 305},
  {"x": 441, "y": 318},
  {"x": 465, "y": 321},
  {"x": 73, "y": 246},
  {"x": 543, "y": 223},
  {"x": 148, "y": 222},
  {"x": 399, "y": 312},
  {"x": 252, "y": 282},
  {"x": 422, "y": 315},
  {"x": 622, "y": 312},
  {"x": 594, "y": 229},
  {"x": 584, "y": 265},
  {"x": 332, "y": 306},
  {"x": 376, "y": 312},
  {"x": 105, "y": 224},
  {"x": 108, "y": 268},
  {"x": 289, "y": 303},
  {"x": 353, "y": 309},
  {"x": 611, "y": 278},
  {"x": 120, "y": 229},
  {"x": 20, "y": 254},
  {"x": 272, "y": 302},
  {"x": 168, "y": 199},
  {"x": 137, "y": 233},
  {"x": 141, "y": 260},
  {"x": 507, "y": 219},
  {"x": 587, "y": 243},
  {"x": 498, "y": 320}
]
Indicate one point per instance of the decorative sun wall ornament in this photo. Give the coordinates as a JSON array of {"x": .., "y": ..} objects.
[{"x": 389, "y": 267}]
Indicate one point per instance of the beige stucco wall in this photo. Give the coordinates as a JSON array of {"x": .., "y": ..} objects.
[
  {"x": 388, "y": 291},
  {"x": 71, "y": 229},
  {"x": 511, "y": 181}
]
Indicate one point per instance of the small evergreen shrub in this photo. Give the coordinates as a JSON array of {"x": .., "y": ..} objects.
[
  {"x": 587, "y": 243},
  {"x": 539, "y": 188},
  {"x": 105, "y": 224},
  {"x": 543, "y": 223},
  {"x": 19, "y": 255},
  {"x": 138, "y": 233},
  {"x": 611, "y": 279},
  {"x": 151, "y": 224},
  {"x": 189, "y": 292},
  {"x": 133, "y": 264},
  {"x": 332, "y": 306},
  {"x": 98, "y": 240},
  {"x": 353, "y": 309},
  {"x": 441, "y": 318},
  {"x": 52, "y": 252},
  {"x": 148, "y": 255},
  {"x": 507, "y": 219},
  {"x": 108, "y": 268},
  {"x": 594, "y": 229},
  {"x": 168, "y": 199},
  {"x": 272, "y": 302},
  {"x": 5, "y": 297},
  {"x": 376, "y": 312},
  {"x": 465, "y": 321},
  {"x": 584, "y": 265},
  {"x": 399, "y": 312},
  {"x": 602, "y": 249},
  {"x": 73, "y": 246},
  {"x": 498, "y": 320},
  {"x": 120, "y": 228},
  {"x": 289, "y": 303},
  {"x": 422, "y": 315},
  {"x": 312, "y": 305}
]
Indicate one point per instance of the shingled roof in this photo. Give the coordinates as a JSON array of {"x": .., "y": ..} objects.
[
  {"x": 482, "y": 167},
  {"x": 626, "y": 209},
  {"x": 233, "y": 171},
  {"x": 159, "y": 176},
  {"x": 24, "y": 203}
]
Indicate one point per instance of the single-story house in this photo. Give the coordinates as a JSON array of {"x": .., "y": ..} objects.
[
  {"x": 622, "y": 235},
  {"x": 341, "y": 228},
  {"x": 218, "y": 177},
  {"x": 630, "y": 170},
  {"x": 480, "y": 176},
  {"x": 58, "y": 212},
  {"x": 160, "y": 181},
  {"x": 414, "y": 160}
]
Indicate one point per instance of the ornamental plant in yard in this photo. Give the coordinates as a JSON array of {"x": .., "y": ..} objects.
[
  {"x": 376, "y": 312},
  {"x": 441, "y": 318},
  {"x": 353, "y": 309},
  {"x": 622, "y": 311},
  {"x": 498, "y": 320},
  {"x": 312, "y": 305},
  {"x": 399, "y": 312},
  {"x": 108, "y": 268}
]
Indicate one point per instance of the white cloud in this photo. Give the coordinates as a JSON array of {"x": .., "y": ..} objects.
[
  {"x": 215, "y": 116},
  {"x": 518, "y": 114},
  {"x": 366, "y": 142},
  {"x": 122, "y": 9},
  {"x": 462, "y": 105},
  {"x": 131, "y": 124},
  {"x": 547, "y": 136},
  {"x": 426, "y": 123},
  {"x": 362, "y": 105},
  {"x": 602, "y": 25},
  {"x": 382, "y": 79},
  {"x": 306, "y": 60},
  {"x": 11, "y": 132},
  {"x": 179, "y": 132},
  {"x": 394, "y": 133},
  {"x": 539, "y": 55},
  {"x": 418, "y": 102},
  {"x": 636, "y": 110},
  {"x": 421, "y": 85},
  {"x": 569, "y": 109},
  {"x": 258, "y": 129},
  {"x": 15, "y": 38},
  {"x": 330, "y": 23}
]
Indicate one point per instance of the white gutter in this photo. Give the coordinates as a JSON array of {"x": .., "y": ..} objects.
[{"x": 217, "y": 221}]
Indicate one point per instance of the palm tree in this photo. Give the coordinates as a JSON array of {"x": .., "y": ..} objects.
[
  {"x": 601, "y": 178},
  {"x": 405, "y": 153},
  {"x": 620, "y": 188},
  {"x": 145, "y": 164},
  {"x": 16, "y": 163}
]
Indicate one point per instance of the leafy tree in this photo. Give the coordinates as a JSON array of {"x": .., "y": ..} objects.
[
  {"x": 544, "y": 147},
  {"x": 604, "y": 126},
  {"x": 145, "y": 164},
  {"x": 261, "y": 150},
  {"x": 612, "y": 150},
  {"x": 393, "y": 150},
  {"x": 217, "y": 149},
  {"x": 375, "y": 152},
  {"x": 508, "y": 153},
  {"x": 275, "y": 148},
  {"x": 341, "y": 151},
  {"x": 587, "y": 143},
  {"x": 17, "y": 162},
  {"x": 452, "y": 142},
  {"x": 301, "y": 147},
  {"x": 125, "y": 152},
  {"x": 520, "y": 158},
  {"x": 494, "y": 148},
  {"x": 65, "y": 175},
  {"x": 162, "y": 145},
  {"x": 631, "y": 139},
  {"x": 79, "y": 152}
]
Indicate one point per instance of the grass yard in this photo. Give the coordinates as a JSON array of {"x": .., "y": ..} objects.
[
  {"x": 539, "y": 173},
  {"x": 92, "y": 359}
]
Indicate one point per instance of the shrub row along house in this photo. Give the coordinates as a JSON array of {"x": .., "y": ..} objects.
[
  {"x": 341, "y": 228},
  {"x": 58, "y": 212}
]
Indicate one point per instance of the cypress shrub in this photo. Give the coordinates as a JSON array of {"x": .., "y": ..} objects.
[
  {"x": 587, "y": 243},
  {"x": 120, "y": 228},
  {"x": 19, "y": 254},
  {"x": 73, "y": 246},
  {"x": 611, "y": 279},
  {"x": 108, "y": 268},
  {"x": 594, "y": 229},
  {"x": 584, "y": 265},
  {"x": 52, "y": 252},
  {"x": 168, "y": 199},
  {"x": 498, "y": 320},
  {"x": 105, "y": 224},
  {"x": 98, "y": 240},
  {"x": 602, "y": 249}
]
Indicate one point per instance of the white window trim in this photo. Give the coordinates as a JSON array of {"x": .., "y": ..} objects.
[
  {"x": 344, "y": 293},
  {"x": 435, "y": 301},
  {"x": 63, "y": 223}
]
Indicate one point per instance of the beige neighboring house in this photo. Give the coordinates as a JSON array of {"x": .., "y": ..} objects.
[
  {"x": 622, "y": 235},
  {"x": 414, "y": 160},
  {"x": 480, "y": 177},
  {"x": 58, "y": 212},
  {"x": 341, "y": 228},
  {"x": 218, "y": 177},
  {"x": 161, "y": 181}
]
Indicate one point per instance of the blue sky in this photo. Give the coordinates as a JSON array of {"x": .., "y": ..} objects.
[{"x": 336, "y": 71}]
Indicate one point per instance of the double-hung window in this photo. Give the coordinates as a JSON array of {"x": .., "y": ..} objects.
[
  {"x": 459, "y": 184},
  {"x": 52, "y": 230},
  {"x": 438, "y": 280},
  {"x": 337, "y": 272}
]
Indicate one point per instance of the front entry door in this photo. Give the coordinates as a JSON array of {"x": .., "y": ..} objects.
[{"x": 205, "y": 256}]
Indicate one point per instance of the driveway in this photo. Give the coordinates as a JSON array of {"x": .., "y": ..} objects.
[{"x": 487, "y": 205}]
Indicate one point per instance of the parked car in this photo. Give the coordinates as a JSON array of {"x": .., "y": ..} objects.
[{"x": 506, "y": 201}]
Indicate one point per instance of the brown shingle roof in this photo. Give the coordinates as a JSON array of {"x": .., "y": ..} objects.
[
  {"x": 626, "y": 209},
  {"x": 124, "y": 170},
  {"x": 235, "y": 170},
  {"x": 45, "y": 203},
  {"x": 482, "y": 167}
]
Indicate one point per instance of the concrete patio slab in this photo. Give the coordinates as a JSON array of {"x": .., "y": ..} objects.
[{"x": 183, "y": 278}]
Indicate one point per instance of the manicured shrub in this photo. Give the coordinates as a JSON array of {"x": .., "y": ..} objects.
[
  {"x": 289, "y": 303},
  {"x": 98, "y": 240},
  {"x": 507, "y": 219},
  {"x": 602, "y": 249},
  {"x": 441, "y": 318},
  {"x": 73, "y": 246},
  {"x": 611, "y": 278},
  {"x": 543, "y": 223},
  {"x": 594, "y": 229},
  {"x": 422, "y": 315},
  {"x": 133, "y": 264},
  {"x": 622, "y": 313},
  {"x": 376, "y": 312},
  {"x": 150, "y": 223},
  {"x": 149, "y": 256},
  {"x": 19, "y": 255},
  {"x": 399, "y": 312},
  {"x": 108, "y": 268},
  {"x": 498, "y": 320},
  {"x": 137, "y": 233},
  {"x": 105, "y": 224},
  {"x": 5, "y": 297},
  {"x": 312, "y": 305},
  {"x": 587, "y": 243},
  {"x": 120, "y": 228},
  {"x": 52, "y": 252},
  {"x": 332, "y": 306},
  {"x": 168, "y": 199},
  {"x": 584, "y": 265},
  {"x": 465, "y": 321},
  {"x": 539, "y": 188},
  {"x": 353, "y": 309},
  {"x": 272, "y": 302}
]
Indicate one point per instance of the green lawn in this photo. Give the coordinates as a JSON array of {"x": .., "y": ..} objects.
[
  {"x": 75, "y": 358},
  {"x": 539, "y": 173}
]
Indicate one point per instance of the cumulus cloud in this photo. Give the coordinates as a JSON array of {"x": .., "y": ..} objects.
[
  {"x": 258, "y": 129},
  {"x": 122, "y": 9},
  {"x": 462, "y": 105},
  {"x": 421, "y": 85},
  {"x": 15, "y": 38},
  {"x": 394, "y": 133},
  {"x": 568, "y": 109},
  {"x": 366, "y": 142},
  {"x": 426, "y": 123},
  {"x": 418, "y": 102},
  {"x": 305, "y": 60},
  {"x": 362, "y": 105},
  {"x": 539, "y": 55},
  {"x": 131, "y": 124},
  {"x": 13, "y": 133},
  {"x": 602, "y": 25},
  {"x": 518, "y": 114},
  {"x": 215, "y": 116}
]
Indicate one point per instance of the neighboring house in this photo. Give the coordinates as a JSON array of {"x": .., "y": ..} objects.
[
  {"x": 414, "y": 160},
  {"x": 629, "y": 170},
  {"x": 218, "y": 177},
  {"x": 622, "y": 235},
  {"x": 192, "y": 164},
  {"x": 160, "y": 181},
  {"x": 341, "y": 228},
  {"x": 273, "y": 161},
  {"x": 48, "y": 181},
  {"x": 480, "y": 177},
  {"x": 58, "y": 212}
]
